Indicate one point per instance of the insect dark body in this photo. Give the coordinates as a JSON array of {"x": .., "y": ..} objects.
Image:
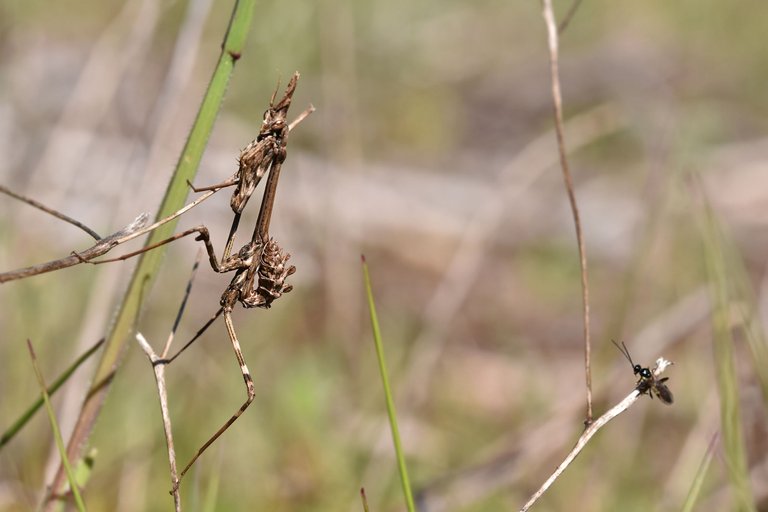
[{"x": 648, "y": 384}]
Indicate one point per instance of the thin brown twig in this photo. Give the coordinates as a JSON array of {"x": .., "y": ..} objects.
[
  {"x": 159, "y": 368},
  {"x": 158, "y": 365},
  {"x": 51, "y": 211},
  {"x": 590, "y": 431},
  {"x": 133, "y": 230},
  {"x": 549, "y": 19},
  {"x": 103, "y": 246}
]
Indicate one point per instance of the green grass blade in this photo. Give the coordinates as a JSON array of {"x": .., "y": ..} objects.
[
  {"x": 388, "y": 392},
  {"x": 746, "y": 304},
  {"x": 149, "y": 263},
  {"x": 727, "y": 385},
  {"x": 756, "y": 340},
  {"x": 698, "y": 480},
  {"x": 56, "y": 432},
  {"x": 64, "y": 377}
]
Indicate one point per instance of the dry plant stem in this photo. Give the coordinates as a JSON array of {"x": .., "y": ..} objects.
[
  {"x": 133, "y": 230},
  {"x": 159, "y": 368},
  {"x": 51, "y": 211},
  {"x": 549, "y": 19},
  {"x": 103, "y": 246},
  {"x": 591, "y": 430},
  {"x": 158, "y": 365}
]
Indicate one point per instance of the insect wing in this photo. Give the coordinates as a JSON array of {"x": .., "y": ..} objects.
[{"x": 662, "y": 392}]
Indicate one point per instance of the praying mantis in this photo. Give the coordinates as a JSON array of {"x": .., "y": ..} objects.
[{"x": 260, "y": 266}]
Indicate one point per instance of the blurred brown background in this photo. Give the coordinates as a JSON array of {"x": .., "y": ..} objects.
[{"x": 432, "y": 152}]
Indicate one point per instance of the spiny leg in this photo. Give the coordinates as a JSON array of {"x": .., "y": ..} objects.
[
  {"x": 248, "y": 385},
  {"x": 196, "y": 336},
  {"x": 224, "y": 184}
]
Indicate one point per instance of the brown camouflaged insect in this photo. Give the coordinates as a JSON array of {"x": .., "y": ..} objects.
[
  {"x": 261, "y": 265},
  {"x": 266, "y": 152}
]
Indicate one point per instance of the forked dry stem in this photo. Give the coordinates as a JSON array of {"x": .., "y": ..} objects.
[{"x": 590, "y": 431}]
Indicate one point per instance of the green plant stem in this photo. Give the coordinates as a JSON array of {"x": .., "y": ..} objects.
[
  {"x": 149, "y": 263},
  {"x": 56, "y": 432},
  {"x": 725, "y": 368},
  {"x": 27, "y": 415},
  {"x": 388, "y": 393},
  {"x": 698, "y": 479}
]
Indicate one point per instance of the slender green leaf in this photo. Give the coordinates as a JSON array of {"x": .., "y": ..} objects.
[
  {"x": 727, "y": 384},
  {"x": 388, "y": 392},
  {"x": 746, "y": 304},
  {"x": 698, "y": 480},
  {"x": 56, "y": 432},
  {"x": 27, "y": 415}
]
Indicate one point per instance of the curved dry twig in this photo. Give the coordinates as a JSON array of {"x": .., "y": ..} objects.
[
  {"x": 51, "y": 211},
  {"x": 549, "y": 19}
]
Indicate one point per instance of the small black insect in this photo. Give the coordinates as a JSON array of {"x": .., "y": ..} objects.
[{"x": 648, "y": 383}]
